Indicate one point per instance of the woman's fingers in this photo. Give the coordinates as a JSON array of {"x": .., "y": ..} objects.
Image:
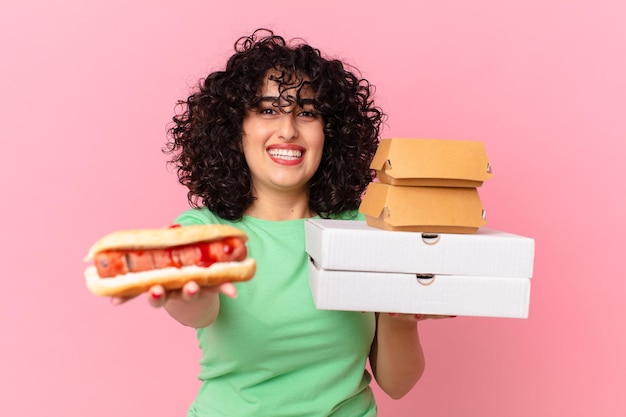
[
  {"x": 420, "y": 317},
  {"x": 228, "y": 289},
  {"x": 191, "y": 291},
  {"x": 432, "y": 316},
  {"x": 121, "y": 300},
  {"x": 157, "y": 296}
]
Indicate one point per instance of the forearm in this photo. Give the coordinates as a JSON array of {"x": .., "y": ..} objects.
[
  {"x": 397, "y": 358},
  {"x": 199, "y": 313}
]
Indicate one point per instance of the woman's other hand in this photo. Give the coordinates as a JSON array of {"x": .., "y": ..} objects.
[{"x": 417, "y": 317}]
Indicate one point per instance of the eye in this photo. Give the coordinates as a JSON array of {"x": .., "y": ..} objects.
[
  {"x": 308, "y": 113},
  {"x": 267, "y": 110}
]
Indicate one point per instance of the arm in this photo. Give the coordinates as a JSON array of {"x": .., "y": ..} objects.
[{"x": 396, "y": 358}]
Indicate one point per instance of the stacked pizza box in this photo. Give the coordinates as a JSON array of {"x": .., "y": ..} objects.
[{"x": 423, "y": 247}]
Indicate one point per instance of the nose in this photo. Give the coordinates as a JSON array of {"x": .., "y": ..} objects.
[{"x": 287, "y": 128}]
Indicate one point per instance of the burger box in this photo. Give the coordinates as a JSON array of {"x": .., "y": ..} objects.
[
  {"x": 356, "y": 267},
  {"x": 431, "y": 162},
  {"x": 423, "y": 209}
]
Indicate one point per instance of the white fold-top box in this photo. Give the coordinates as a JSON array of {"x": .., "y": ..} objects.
[
  {"x": 355, "y": 267},
  {"x": 408, "y": 293},
  {"x": 355, "y": 246}
]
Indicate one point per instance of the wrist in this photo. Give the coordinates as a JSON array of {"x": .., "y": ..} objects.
[{"x": 399, "y": 320}]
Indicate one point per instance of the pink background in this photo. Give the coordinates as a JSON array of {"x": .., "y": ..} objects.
[{"x": 88, "y": 88}]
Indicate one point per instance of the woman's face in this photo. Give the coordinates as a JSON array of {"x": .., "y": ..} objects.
[{"x": 282, "y": 145}]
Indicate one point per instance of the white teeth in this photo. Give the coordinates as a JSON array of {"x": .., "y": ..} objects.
[{"x": 288, "y": 154}]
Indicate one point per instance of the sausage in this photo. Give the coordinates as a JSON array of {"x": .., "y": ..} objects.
[{"x": 118, "y": 262}]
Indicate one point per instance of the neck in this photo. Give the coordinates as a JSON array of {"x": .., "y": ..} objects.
[{"x": 280, "y": 207}]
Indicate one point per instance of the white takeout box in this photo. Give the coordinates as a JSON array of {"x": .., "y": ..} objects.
[
  {"x": 407, "y": 293},
  {"x": 355, "y": 246},
  {"x": 355, "y": 267}
]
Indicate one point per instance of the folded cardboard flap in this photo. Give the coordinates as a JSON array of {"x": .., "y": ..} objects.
[
  {"x": 423, "y": 209},
  {"x": 431, "y": 162}
]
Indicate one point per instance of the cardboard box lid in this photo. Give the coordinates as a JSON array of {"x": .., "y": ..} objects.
[
  {"x": 431, "y": 162},
  {"x": 423, "y": 209},
  {"x": 405, "y": 293},
  {"x": 356, "y": 246}
]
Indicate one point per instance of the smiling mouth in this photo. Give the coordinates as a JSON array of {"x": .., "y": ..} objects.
[{"x": 285, "y": 154}]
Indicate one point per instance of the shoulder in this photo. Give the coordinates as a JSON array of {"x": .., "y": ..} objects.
[
  {"x": 348, "y": 215},
  {"x": 198, "y": 216}
]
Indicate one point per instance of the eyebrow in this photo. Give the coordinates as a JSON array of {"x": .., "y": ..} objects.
[
  {"x": 274, "y": 99},
  {"x": 269, "y": 98}
]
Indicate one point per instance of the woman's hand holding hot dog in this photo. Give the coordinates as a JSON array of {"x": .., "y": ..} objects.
[{"x": 192, "y": 305}]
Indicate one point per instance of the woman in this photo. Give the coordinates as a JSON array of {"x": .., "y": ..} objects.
[{"x": 281, "y": 135}]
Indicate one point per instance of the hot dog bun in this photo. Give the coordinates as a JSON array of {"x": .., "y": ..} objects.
[
  {"x": 163, "y": 237},
  {"x": 173, "y": 277},
  {"x": 135, "y": 283}
]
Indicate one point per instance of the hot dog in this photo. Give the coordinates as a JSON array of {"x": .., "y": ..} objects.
[{"x": 128, "y": 262}]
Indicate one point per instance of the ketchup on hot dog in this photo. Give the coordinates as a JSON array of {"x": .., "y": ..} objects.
[{"x": 117, "y": 262}]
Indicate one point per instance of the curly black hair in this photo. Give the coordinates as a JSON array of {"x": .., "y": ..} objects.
[{"x": 204, "y": 140}]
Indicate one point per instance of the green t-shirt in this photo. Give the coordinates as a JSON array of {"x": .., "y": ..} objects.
[{"x": 270, "y": 352}]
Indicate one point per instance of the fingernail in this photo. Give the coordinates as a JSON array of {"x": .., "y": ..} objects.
[
  {"x": 116, "y": 301},
  {"x": 392, "y": 314},
  {"x": 418, "y": 316},
  {"x": 156, "y": 295}
]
